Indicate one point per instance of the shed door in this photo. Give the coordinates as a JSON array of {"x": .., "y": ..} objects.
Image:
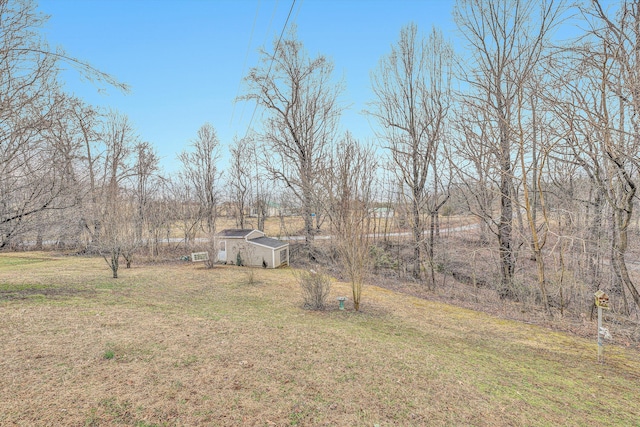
[{"x": 222, "y": 251}]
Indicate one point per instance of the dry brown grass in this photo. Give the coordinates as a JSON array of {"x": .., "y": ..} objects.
[
  {"x": 193, "y": 346},
  {"x": 293, "y": 225},
  {"x": 272, "y": 226}
]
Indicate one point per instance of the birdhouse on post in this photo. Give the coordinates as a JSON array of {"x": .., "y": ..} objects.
[{"x": 602, "y": 300}]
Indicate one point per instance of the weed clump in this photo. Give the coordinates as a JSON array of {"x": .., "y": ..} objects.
[
  {"x": 250, "y": 277},
  {"x": 315, "y": 289}
]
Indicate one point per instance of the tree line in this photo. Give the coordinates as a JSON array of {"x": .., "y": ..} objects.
[{"x": 532, "y": 132}]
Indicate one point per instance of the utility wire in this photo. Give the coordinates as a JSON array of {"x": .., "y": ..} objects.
[
  {"x": 293, "y": 3},
  {"x": 273, "y": 15},
  {"x": 264, "y": 41},
  {"x": 295, "y": 18},
  {"x": 244, "y": 65}
]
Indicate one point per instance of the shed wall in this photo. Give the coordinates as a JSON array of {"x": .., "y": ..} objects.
[
  {"x": 252, "y": 254},
  {"x": 260, "y": 253}
]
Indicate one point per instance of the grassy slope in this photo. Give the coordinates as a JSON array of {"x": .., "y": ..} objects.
[{"x": 204, "y": 347}]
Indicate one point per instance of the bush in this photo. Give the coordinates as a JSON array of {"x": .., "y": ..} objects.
[
  {"x": 250, "y": 277},
  {"x": 381, "y": 258},
  {"x": 447, "y": 210},
  {"x": 315, "y": 289}
]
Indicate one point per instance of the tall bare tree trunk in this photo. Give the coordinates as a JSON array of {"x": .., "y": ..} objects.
[{"x": 505, "y": 226}]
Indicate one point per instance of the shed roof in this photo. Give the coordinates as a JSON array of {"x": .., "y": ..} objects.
[
  {"x": 268, "y": 241},
  {"x": 235, "y": 232}
]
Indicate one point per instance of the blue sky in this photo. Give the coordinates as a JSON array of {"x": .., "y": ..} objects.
[{"x": 185, "y": 60}]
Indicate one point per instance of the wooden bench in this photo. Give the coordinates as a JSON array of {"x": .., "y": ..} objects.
[{"x": 199, "y": 256}]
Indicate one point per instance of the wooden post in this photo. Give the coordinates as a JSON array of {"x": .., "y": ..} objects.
[
  {"x": 600, "y": 337},
  {"x": 601, "y": 301}
]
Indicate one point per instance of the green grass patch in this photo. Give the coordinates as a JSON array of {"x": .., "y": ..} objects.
[
  {"x": 20, "y": 261},
  {"x": 21, "y": 287}
]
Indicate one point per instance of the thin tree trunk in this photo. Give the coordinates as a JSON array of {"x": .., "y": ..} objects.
[
  {"x": 417, "y": 239},
  {"x": 505, "y": 226}
]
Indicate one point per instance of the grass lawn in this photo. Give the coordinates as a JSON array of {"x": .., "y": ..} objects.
[{"x": 177, "y": 344}]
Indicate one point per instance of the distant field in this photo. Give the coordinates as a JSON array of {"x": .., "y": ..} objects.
[
  {"x": 178, "y": 345},
  {"x": 272, "y": 226},
  {"x": 293, "y": 225}
]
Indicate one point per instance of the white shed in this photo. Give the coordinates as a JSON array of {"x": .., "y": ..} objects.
[{"x": 251, "y": 248}]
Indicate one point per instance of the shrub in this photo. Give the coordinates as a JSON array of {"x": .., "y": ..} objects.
[
  {"x": 250, "y": 277},
  {"x": 315, "y": 289},
  {"x": 381, "y": 258},
  {"x": 447, "y": 210}
]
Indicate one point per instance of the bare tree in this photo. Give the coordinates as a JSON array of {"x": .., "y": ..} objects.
[
  {"x": 36, "y": 152},
  {"x": 263, "y": 199},
  {"x": 534, "y": 144},
  {"x": 185, "y": 208},
  {"x": 30, "y": 181},
  {"x": 507, "y": 39},
  {"x": 63, "y": 143},
  {"x": 472, "y": 159},
  {"x": 160, "y": 217},
  {"x": 239, "y": 178},
  {"x": 144, "y": 183},
  {"x": 116, "y": 231},
  {"x": 200, "y": 169},
  {"x": 29, "y": 184},
  {"x": 84, "y": 124},
  {"x": 412, "y": 100},
  {"x": 118, "y": 138},
  {"x": 597, "y": 106},
  {"x": 302, "y": 112},
  {"x": 621, "y": 57},
  {"x": 351, "y": 197}
]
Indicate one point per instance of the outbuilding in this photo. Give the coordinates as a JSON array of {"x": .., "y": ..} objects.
[{"x": 251, "y": 248}]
